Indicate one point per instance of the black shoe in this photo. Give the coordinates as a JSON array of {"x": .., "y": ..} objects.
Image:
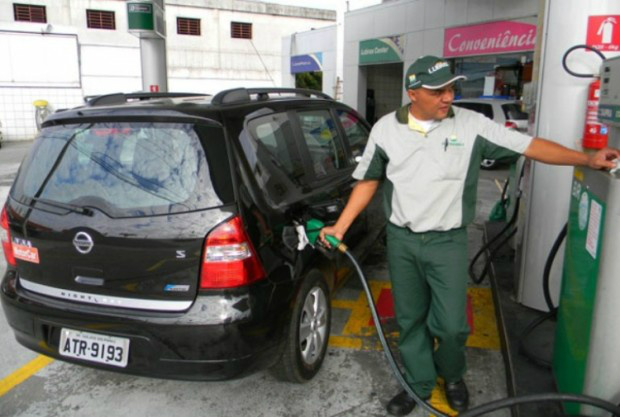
[
  {"x": 457, "y": 395},
  {"x": 401, "y": 405}
]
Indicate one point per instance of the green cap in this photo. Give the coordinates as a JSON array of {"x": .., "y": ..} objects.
[{"x": 430, "y": 72}]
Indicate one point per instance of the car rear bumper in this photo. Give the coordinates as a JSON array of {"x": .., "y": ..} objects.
[{"x": 192, "y": 345}]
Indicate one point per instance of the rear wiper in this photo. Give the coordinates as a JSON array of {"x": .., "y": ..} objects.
[{"x": 75, "y": 209}]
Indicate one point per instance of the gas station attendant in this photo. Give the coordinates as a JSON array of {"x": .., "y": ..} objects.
[{"x": 427, "y": 155}]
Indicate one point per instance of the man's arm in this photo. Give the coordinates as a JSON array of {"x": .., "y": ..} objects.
[
  {"x": 361, "y": 195},
  {"x": 549, "y": 152}
]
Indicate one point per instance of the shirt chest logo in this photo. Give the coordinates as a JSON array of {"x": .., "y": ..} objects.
[{"x": 453, "y": 143}]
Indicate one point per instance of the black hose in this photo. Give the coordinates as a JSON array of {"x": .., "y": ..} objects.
[
  {"x": 386, "y": 347},
  {"x": 484, "y": 408},
  {"x": 571, "y": 49},
  {"x": 549, "y": 264},
  {"x": 553, "y": 310},
  {"x": 472, "y": 274},
  {"x": 536, "y": 398},
  {"x": 523, "y": 350}
]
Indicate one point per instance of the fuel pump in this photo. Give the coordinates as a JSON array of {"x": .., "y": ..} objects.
[
  {"x": 587, "y": 334},
  {"x": 585, "y": 345}
]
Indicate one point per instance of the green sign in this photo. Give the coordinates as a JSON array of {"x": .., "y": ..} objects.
[
  {"x": 609, "y": 113},
  {"x": 140, "y": 16},
  {"x": 382, "y": 50}
]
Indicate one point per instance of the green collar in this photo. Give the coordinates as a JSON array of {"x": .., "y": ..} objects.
[{"x": 402, "y": 114}]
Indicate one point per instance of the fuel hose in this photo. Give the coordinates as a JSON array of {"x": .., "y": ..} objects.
[{"x": 476, "y": 411}]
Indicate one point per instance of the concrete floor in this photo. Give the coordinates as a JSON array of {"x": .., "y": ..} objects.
[{"x": 354, "y": 381}]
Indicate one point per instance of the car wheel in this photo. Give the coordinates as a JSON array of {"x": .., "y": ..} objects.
[
  {"x": 307, "y": 334},
  {"x": 487, "y": 164}
]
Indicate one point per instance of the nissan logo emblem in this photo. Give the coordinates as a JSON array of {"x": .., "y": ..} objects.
[{"x": 83, "y": 242}]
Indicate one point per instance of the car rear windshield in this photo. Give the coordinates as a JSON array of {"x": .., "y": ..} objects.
[
  {"x": 128, "y": 169},
  {"x": 513, "y": 111}
]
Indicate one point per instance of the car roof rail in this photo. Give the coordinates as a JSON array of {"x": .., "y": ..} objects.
[
  {"x": 121, "y": 98},
  {"x": 244, "y": 95}
]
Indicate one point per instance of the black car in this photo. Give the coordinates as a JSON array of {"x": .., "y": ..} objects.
[{"x": 155, "y": 234}]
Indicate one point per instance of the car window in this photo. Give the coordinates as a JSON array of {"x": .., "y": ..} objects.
[
  {"x": 483, "y": 108},
  {"x": 356, "y": 132},
  {"x": 512, "y": 111},
  {"x": 321, "y": 139},
  {"x": 128, "y": 169},
  {"x": 274, "y": 159},
  {"x": 276, "y": 147}
]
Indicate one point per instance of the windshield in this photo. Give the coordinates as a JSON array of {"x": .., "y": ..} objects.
[{"x": 127, "y": 169}]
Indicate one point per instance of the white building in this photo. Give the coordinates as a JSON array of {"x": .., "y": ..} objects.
[{"x": 63, "y": 50}]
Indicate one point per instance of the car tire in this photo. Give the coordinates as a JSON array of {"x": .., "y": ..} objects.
[
  {"x": 488, "y": 164},
  {"x": 305, "y": 344}
]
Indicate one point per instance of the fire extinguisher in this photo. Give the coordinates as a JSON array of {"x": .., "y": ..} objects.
[{"x": 594, "y": 132}]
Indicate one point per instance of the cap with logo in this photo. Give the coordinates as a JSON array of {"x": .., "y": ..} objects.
[{"x": 430, "y": 72}]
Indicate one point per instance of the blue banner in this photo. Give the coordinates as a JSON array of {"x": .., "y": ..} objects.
[{"x": 307, "y": 63}]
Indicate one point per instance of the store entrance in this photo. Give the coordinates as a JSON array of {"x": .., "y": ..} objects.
[{"x": 384, "y": 89}]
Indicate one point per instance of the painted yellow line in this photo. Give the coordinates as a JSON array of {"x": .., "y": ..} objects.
[
  {"x": 24, "y": 373},
  {"x": 344, "y": 304},
  {"x": 485, "y": 335},
  {"x": 344, "y": 342}
]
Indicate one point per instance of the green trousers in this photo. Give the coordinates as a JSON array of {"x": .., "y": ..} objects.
[{"x": 429, "y": 285}]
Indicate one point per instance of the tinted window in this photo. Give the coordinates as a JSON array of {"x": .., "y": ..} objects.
[
  {"x": 273, "y": 157},
  {"x": 127, "y": 169},
  {"x": 356, "y": 132},
  {"x": 483, "y": 108},
  {"x": 321, "y": 139},
  {"x": 275, "y": 145},
  {"x": 512, "y": 111}
]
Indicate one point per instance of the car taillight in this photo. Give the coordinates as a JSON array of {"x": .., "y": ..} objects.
[
  {"x": 229, "y": 258},
  {"x": 510, "y": 125},
  {"x": 5, "y": 237}
]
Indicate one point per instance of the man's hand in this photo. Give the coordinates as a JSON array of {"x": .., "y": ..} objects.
[
  {"x": 332, "y": 231},
  {"x": 604, "y": 158}
]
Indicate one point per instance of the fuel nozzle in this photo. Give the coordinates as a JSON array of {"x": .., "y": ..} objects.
[{"x": 313, "y": 230}]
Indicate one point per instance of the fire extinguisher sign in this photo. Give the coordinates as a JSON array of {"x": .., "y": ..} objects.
[{"x": 604, "y": 32}]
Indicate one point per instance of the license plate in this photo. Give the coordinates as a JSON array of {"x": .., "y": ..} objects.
[{"x": 94, "y": 347}]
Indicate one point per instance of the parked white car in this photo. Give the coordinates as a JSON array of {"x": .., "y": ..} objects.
[{"x": 506, "y": 112}]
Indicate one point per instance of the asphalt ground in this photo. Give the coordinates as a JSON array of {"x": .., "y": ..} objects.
[{"x": 354, "y": 381}]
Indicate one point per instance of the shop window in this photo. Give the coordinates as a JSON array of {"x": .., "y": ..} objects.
[
  {"x": 29, "y": 13},
  {"x": 187, "y": 26},
  {"x": 100, "y": 19},
  {"x": 241, "y": 30}
]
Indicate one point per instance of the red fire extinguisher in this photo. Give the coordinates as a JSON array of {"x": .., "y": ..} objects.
[{"x": 594, "y": 132}]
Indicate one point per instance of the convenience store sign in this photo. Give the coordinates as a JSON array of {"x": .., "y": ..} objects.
[{"x": 489, "y": 38}]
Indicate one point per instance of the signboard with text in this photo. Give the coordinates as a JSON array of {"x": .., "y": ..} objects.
[
  {"x": 604, "y": 32},
  {"x": 489, "y": 38},
  {"x": 307, "y": 63},
  {"x": 382, "y": 50}
]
